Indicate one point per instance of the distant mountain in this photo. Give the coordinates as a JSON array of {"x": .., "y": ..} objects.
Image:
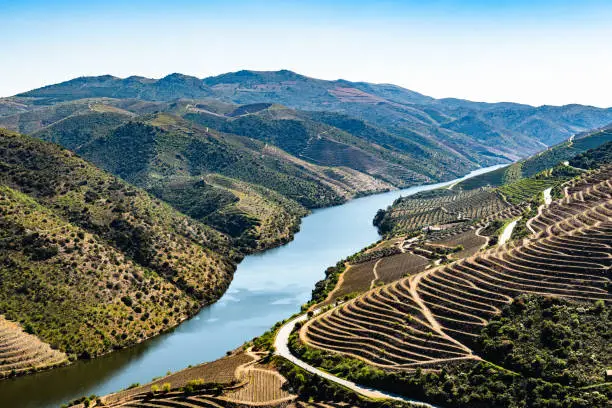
[
  {"x": 250, "y": 152},
  {"x": 472, "y": 131},
  {"x": 587, "y": 148},
  {"x": 107, "y": 86}
]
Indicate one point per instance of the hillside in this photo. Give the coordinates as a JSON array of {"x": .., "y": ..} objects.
[
  {"x": 503, "y": 326},
  {"x": 458, "y": 134},
  {"x": 90, "y": 263},
  {"x": 248, "y": 189},
  {"x": 551, "y": 157},
  {"x": 593, "y": 158},
  {"x": 519, "y": 324}
]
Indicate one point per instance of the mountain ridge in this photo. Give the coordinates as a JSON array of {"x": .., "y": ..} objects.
[
  {"x": 216, "y": 79},
  {"x": 521, "y": 128}
]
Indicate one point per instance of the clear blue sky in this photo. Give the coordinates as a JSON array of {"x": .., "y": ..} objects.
[{"x": 537, "y": 52}]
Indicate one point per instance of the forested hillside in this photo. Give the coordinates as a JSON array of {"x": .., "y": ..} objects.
[
  {"x": 249, "y": 189},
  {"x": 90, "y": 263},
  {"x": 561, "y": 153}
]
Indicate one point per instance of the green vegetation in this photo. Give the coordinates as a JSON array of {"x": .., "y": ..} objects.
[
  {"x": 547, "y": 159},
  {"x": 240, "y": 186},
  {"x": 457, "y": 132},
  {"x": 493, "y": 178},
  {"x": 526, "y": 189},
  {"x": 553, "y": 339},
  {"x": 565, "y": 151},
  {"x": 432, "y": 209},
  {"x": 311, "y": 387},
  {"x": 542, "y": 350},
  {"x": 375, "y": 254},
  {"x": 90, "y": 263},
  {"x": 593, "y": 158}
]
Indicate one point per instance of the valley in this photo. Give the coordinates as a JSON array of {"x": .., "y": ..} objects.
[
  {"x": 261, "y": 293},
  {"x": 131, "y": 203},
  {"x": 457, "y": 317}
]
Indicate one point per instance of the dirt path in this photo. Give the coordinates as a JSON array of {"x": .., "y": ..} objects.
[
  {"x": 435, "y": 325},
  {"x": 375, "y": 272},
  {"x": 331, "y": 294}
]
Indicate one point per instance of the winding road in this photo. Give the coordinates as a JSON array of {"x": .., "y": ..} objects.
[{"x": 281, "y": 345}]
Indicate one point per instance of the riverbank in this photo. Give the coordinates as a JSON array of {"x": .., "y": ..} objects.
[{"x": 267, "y": 288}]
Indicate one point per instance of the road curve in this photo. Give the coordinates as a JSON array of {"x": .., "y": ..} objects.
[{"x": 282, "y": 349}]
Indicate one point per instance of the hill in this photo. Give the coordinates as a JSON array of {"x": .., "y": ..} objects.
[
  {"x": 593, "y": 158},
  {"x": 551, "y": 157},
  {"x": 90, "y": 263},
  {"x": 246, "y": 188},
  {"x": 464, "y": 133},
  {"x": 515, "y": 324}
]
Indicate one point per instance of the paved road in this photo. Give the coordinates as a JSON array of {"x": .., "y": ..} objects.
[{"x": 282, "y": 349}]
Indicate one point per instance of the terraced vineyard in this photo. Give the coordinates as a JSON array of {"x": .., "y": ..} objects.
[
  {"x": 439, "y": 208},
  {"x": 394, "y": 267},
  {"x": 435, "y": 315},
  {"x": 262, "y": 385},
  {"x": 235, "y": 380},
  {"x": 469, "y": 240},
  {"x": 22, "y": 352}
]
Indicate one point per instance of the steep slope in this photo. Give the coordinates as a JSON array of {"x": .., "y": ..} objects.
[
  {"x": 537, "y": 308},
  {"x": 297, "y": 134},
  {"x": 90, "y": 263},
  {"x": 22, "y": 352},
  {"x": 593, "y": 158},
  {"x": 247, "y": 189},
  {"x": 555, "y": 155}
]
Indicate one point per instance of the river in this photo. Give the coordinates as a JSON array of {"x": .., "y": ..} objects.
[{"x": 267, "y": 287}]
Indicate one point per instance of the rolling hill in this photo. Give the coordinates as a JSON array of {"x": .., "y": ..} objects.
[
  {"x": 244, "y": 187},
  {"x": 89, "y": 263},
  {"x": 471, "y": 133}
]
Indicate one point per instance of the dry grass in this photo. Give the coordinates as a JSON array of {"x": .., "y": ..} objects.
[
  {"x": 218, "y": 371},
  {"x": 356, "y": 279},
  {"x": 469, "y": 239},
  {"x": 262, "y": 386}
]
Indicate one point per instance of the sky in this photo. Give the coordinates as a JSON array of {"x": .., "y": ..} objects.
[{"x": 536, "y": 52}]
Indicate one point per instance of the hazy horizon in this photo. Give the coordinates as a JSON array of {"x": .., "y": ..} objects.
[{"x": 544, "y": 52}]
